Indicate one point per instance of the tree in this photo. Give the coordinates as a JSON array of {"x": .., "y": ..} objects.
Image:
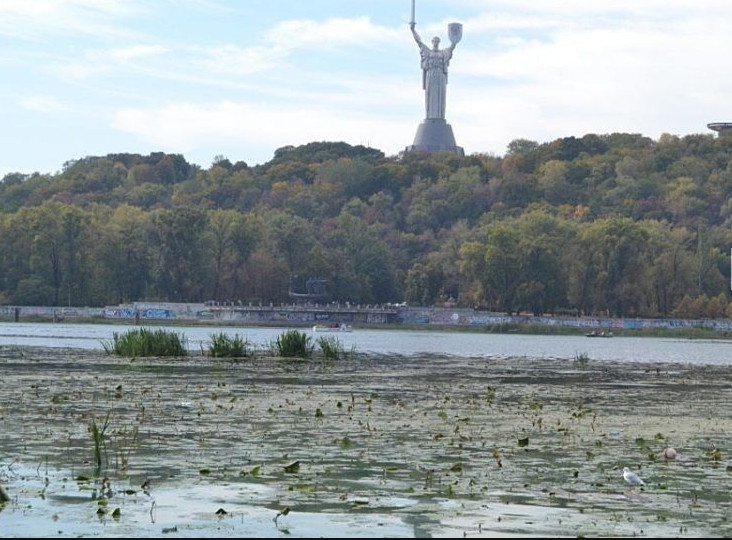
[
  {"x": 437, "y": 277},
  {"x": 610, "y": 271},
  {"x": 671, "y": 266},
  {"x": 182, "y": 254},
  {"x": 366, "y": 273},
  {"x": 543, "y": 279},
  {"x": 124, "y": 255},
  {"x": 496, "y": 264},
  {"x": 290, "y": 238},
  {"x": 231, "y": 243}
]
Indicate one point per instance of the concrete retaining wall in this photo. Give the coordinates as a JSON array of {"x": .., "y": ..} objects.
[{"x": 301, "y": 315}]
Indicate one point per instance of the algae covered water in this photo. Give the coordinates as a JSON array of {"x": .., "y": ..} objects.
[{"x": 376, "y": 446}]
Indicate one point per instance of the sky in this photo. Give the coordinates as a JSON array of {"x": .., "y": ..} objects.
[{"x": 241, "y": 78}]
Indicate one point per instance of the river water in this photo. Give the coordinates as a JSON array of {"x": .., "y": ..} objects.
[
  {"x": 403, "y": 342},
  {"x": 424, "y": 434}
]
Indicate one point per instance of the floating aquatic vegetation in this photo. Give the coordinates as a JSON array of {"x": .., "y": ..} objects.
[{"x": 394, "y": 453}]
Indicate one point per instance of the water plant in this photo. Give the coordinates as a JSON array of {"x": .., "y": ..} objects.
[
  {"x": 126, "y": 441},
  {"x": 333, "y": 349},
  {"x": 225, "y": 346},
  {"x": 377, "y": 426},
  {"x": 100, "y": 446},
  {"x": 294, "y": 344},
  {"x": 146, "y": 342},
  {"x": 582, "y": 358}
]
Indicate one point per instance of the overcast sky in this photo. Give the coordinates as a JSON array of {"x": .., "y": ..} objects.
[{"x": 241, "y": 78}]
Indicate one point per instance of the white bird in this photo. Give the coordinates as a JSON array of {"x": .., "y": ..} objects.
[{"x": 632, "y": 478}]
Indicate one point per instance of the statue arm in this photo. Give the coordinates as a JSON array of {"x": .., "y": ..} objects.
[{"x": 416, "y": 35}]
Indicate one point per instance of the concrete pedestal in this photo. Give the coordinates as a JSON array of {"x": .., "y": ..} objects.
[{"x": 435, "y": 135}]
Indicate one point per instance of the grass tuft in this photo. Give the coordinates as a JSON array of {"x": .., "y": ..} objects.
[
  {"x": 582, "y": 358},
  {"x": 145, "y": 342},
  {"x": 333, "y": 349},
  {"x": 225, "y": 346},
  {"x": 100, "y": 446},
  {"x": 294, "y": 344}
]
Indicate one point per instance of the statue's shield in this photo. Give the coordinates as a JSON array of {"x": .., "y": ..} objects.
[{"x": 455, "y": 32}]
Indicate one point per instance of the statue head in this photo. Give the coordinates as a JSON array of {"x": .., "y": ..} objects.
[{"x": 435, "y": 42}]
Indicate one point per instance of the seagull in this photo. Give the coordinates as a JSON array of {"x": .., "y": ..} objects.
[
  {"x": 632, "y": 478},
  {"x": 284, "y": 512}
]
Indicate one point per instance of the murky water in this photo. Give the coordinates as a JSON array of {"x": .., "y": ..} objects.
[
  {"x": 400, "y": 342},
  {"x": 377, "y": 446}
]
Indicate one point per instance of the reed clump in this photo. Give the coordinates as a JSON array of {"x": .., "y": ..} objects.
[
  {"x": 146, "y": 342},
  {"x": 294, "y": 344},
  {"x": 582, "y": 358},
  {"x": 333, "y": 349},
  {"x": 225, "y": 346}
]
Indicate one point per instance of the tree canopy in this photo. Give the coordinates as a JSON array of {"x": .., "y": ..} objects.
[{"x": 615, "y": 224}]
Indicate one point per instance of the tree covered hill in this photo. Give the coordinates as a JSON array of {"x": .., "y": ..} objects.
[{"x": 618, "y": 224}]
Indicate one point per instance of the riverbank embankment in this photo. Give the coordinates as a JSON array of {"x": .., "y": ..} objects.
[{"x": 397, "y": 316}]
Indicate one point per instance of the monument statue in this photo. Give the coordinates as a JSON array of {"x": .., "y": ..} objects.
[
  {"x": 434, "y": 133},
  {"x": 435, "y": 62}
]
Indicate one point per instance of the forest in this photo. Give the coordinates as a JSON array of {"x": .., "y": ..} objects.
[{"x": 617, "y": 224}]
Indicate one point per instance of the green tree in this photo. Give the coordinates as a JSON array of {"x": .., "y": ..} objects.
[
  {"x": 496, "y": 265},
  {"x": 366, "y": 271},
  {"x": 671, "y": 266},
  {"x": 231, "y": 241},
  {"x": 182, "y": 253},
  {"x": 124, "y": 255},
  {"x": 610, "y": 268},
  {"x": 50, "y": 246},
  {"x": 543, "y": 239}
]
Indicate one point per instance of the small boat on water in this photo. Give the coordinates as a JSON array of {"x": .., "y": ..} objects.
[
  {"x": 335, "y": 327},
  {"x": 595, "y": 333}
]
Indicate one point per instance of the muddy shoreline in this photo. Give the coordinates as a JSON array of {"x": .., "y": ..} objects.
[{"x": 377, "y": 446}]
